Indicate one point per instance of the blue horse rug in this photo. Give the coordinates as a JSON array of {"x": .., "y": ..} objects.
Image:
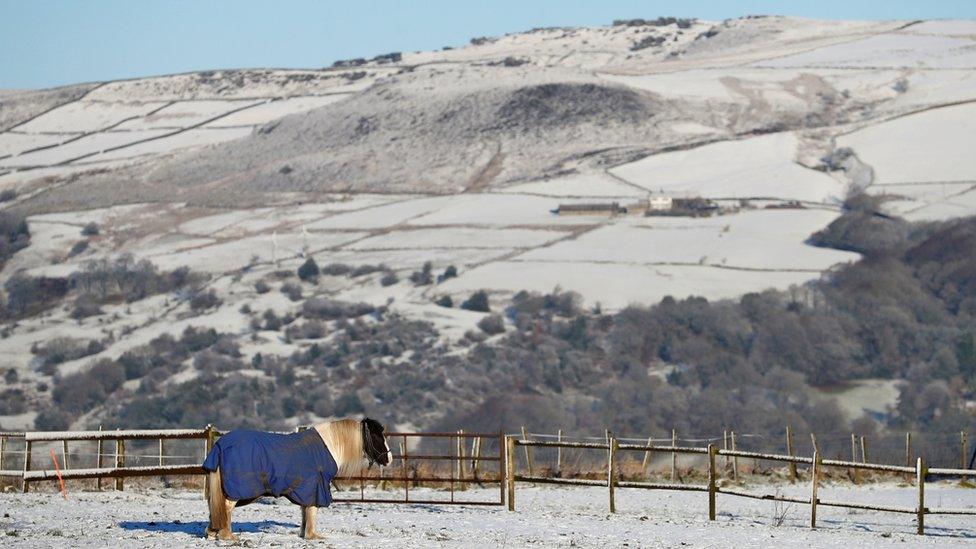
[{"x": 252, "y": 464}]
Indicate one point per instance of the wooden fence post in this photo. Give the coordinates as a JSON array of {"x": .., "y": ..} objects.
[
  {"x": 559, "y": 454},
  {"x": 101, "y": 453},
  {"x": 475, "y": 456},
  {"x": 510, "y": 470},
  {"x": 813, "y": 488},
  {"x": 735, "y": 459},
  {"x": 792, "y": 452},
  {"x": 920, "y": 480},
  {"x": 908, "y": 454},
  {"x": 725, "y": 446},
  {"x": 853, "y": 470},
  {"x": 712, "y": 450},
  {"x": 461, "y": 465},
  {"x": 864, "y": 449},
  {"x": 64, "y": 453},
  {"x": 3, "y": 449},
  {"x": 612, "y": 472},
  {"x": 528, "y": 451},
  {"x": 674, "y": 455},
  {"x": 161, "y": 450},
  {"x": 908, "y": 449},
  {"x": 964, "y": 441},
  {"x": 119, "y": 462},
  {"x": 27, "y": 465},
  {"x": 647, "y": 459}
]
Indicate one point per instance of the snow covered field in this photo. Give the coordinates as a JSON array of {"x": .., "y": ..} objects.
[{"x": 545, "y": 517}]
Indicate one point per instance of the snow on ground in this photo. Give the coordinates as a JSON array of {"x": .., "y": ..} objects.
[
  {"x": 461, "y": 237},
  {"x": 16, "y": 143},
  {"x": 500, "y": 210},
  {"x": 958, "y": 27},
  {"x": 88, "y": 116},
  {"x": 544, "y": 517},
  {"x": 236, "y": 254},
  {"x": 759, "y": 239},
  {"x": 865, "y": 396},
  {"x": 186, "y": 139},
  {"x": 578, "y": 185},
  {"x": 935, "y": 145},
  {"x": 889, "y": 50},
  {"x": 87, "y": 145},
  {"x": 273, "y": 110},
  {"x": 185, "y": 113},
  {"x": 755, "y": 167},
  {"x": 617, "y": 285}
]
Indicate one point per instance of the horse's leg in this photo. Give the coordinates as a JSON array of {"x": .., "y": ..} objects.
[
  {"x": 308, "y": 522},
  {"x": 226, "y": 532},
  {"x": 217, "y": 503}
]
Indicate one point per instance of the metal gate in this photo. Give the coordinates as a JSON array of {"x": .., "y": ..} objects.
[{"x": 434, "y": 468}]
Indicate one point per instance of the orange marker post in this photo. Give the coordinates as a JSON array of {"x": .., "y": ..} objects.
[{"x": 57, "y": 469}]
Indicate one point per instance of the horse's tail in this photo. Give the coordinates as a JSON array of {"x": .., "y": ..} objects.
[{"x": 217, "y": 502}]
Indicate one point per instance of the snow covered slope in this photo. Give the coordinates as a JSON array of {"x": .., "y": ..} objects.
[{"x": 460, "y": 157}]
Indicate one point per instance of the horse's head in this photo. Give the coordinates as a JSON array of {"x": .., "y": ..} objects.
[{"x": 374, "y": 443}]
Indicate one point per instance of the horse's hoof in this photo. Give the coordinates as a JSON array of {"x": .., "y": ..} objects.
[
  {"x": 312, "y": 536},
  {"x": 226, "y": 535}
]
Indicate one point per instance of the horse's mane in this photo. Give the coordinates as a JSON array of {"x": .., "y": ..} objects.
[{"x": 344, "y": 439}]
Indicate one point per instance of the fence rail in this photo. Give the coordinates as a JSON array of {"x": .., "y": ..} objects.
[
  {"x": 612, "y": 481},
  {"x": 466, "y": 464},
  {"x": 467, "y": 467}
]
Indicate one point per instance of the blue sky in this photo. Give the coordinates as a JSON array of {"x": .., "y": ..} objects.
[{"x": 47, "y": 43}]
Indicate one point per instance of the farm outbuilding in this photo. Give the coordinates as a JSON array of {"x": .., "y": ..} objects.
[{"x": 596, "y": 208}]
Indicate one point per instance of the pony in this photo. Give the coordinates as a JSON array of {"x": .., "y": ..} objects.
[{"x": 247, "y": 465}]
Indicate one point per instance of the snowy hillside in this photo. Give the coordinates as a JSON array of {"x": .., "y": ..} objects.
[{"x": 460, "y": 158}]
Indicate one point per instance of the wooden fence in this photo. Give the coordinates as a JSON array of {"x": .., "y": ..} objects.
[
  {"x": 482, "y": 466},
  {"x": 111, "y": 463},
  {"x": 613, "y": 446}
]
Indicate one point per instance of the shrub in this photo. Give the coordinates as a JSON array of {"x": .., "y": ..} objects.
[
  {"x": 10, "y": 376},
  {"x": 477, "y": 302},
  {"x": 292, "y": 290},
  {"x": 78, "y": 248},
  {"x": 63, "y": 349},
  {"x": 363, "y": 270},
  {"x": 348, "y": 404},
  {"x": 312, "y": 329},
  {"x": 445, "y": 301},
  {"x": 202, "y": 301},
  {"x": 389, "y": 279},
  {"x": 14, "y": 234},
  {"x": 309, "y": 270},
  {"x": 647, "y": 42},
  {"x": 336, "y": 269},
  {"x": 329, "y": 309},
  {"x": 12, "y": 401},
  {"x": 85, "y": 306},
  {"x": 91, "y": 229},
  {"x": 29, "y": 295},
  {"x": 261, "y": 287},
  {"x": 271, "y": 321},
  {"x": 52, "y": 419},
  {"x": 79, "y": 393},
  {"x": 424, "y": 276},
  {"x": 492, "y": 324},
  {"x": 7, "y": 195},
  {"x": 449, "y": 273}
]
